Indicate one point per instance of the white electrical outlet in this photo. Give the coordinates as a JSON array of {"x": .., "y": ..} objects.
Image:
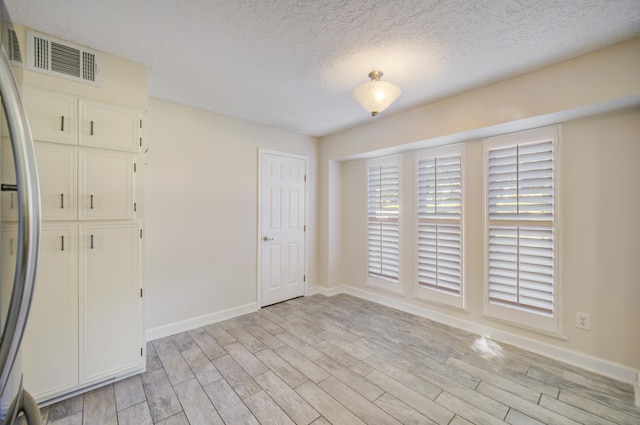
[{"x": 583, "y": 321}]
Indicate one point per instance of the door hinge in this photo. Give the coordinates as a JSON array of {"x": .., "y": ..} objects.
[
  {"x": 305, "y": 177},
  {"x": 140, "y": 122},
  {"x": 135, "y": 206},
  {"x": 140, "y": 351},
  {"x": 140, "y": 292},
  {"x": 305, "y": 227},
  {"x": 140, "y": 233},
  {"x": 135, "y": 167},
  {"x": 304, "y": 279}
]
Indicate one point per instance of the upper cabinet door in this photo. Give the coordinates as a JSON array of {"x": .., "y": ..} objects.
[
  {"x": 52, "y": 116},
  {"x": 108, "y": 127}
]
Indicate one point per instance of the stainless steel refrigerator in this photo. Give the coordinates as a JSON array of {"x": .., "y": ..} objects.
[{"x": 16, "y": 293}]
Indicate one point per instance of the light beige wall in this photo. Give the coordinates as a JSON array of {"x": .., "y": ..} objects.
[
  {"x": 596, "y": 99},
  {"x": 201, "y": 210},
  {"x": 600, "y": 79},
  {"x": 601, "y": 253},
  {"x": 600, "y": 231}
]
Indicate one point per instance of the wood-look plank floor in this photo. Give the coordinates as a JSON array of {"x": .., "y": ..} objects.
[{"x": 344, "y": 360}]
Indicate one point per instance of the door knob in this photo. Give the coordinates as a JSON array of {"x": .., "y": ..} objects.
[{"x": 266, "y": 238}]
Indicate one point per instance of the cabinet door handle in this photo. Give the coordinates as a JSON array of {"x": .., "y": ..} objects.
[
  {"x": 91, "y": 202},
  {"x": 91, "y": 241},
  {"x": 62, "y": 243},
  {"x": 62, "y": 123},
  {"x": 91, "y": 132},
  {"x": 11, "y": 246},
  {"x": 62, "y": 200},
  {"x": 12, "y": 201}
]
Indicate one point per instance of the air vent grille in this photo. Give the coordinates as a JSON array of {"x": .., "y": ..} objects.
[
  {"x": 13, "y": 46},
  {"x": 41, "y": 53},
  {"x": 89, "y": 66},
  {"x": 63, "y": 59}
]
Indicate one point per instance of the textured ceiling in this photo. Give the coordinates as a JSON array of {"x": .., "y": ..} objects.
[{"x": 292, "y": 64}]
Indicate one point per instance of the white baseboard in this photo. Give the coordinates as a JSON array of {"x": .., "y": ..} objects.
[
  {"x": 197, "y": 322},
  {"x": 329, "y": 292},
  {"x": 584, "y": 361}
]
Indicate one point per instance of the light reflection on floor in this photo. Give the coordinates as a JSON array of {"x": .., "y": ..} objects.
[{"x": 487, "y": 348}]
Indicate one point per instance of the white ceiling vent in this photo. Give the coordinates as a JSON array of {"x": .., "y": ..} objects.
[
  {"x": 63, "y": 59},
  {"x": 13, "y": 46}
]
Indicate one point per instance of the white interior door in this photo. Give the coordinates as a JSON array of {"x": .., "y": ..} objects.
[{"x": 282, "y": 226}]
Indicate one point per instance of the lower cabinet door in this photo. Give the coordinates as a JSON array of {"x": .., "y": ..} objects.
[
  {"x": 110, "y": 327},
  {"x": 50, "y": 343}
]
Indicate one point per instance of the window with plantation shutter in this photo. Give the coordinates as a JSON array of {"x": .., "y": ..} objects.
[
  {"x": 521, "y": 228},
  {"x": 383, "y": 218},
  {"x": 439, "y": 225}
]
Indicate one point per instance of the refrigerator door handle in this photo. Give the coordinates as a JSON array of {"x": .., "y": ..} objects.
[{"x": 28, "y": 220}]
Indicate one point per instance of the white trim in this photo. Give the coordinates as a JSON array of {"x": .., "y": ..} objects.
[
  {"x": 312, "y": 290},
  {"x": 581, "y": 360},
  {"x": 261, "y": 153},
  {"x": 65, "y": 394},
  {"x": 330, "y": 292},
  {"x": 197, "y": 322}
]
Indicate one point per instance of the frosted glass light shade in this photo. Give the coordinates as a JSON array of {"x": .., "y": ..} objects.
[{"x": 375, "y": 96}]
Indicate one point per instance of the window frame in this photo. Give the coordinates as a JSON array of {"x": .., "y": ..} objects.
[
  {"x": 377, "y": 281},
  {"x": 427, "y": 293},
  {"x": 522, "y": 318}
]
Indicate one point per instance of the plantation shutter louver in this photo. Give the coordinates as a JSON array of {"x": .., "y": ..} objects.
[
  {"x": 383, "y": 221},
  {"x": 439, "y": 224},
  {"x": 521, "y": 227}
]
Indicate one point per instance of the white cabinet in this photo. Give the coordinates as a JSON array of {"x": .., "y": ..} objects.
[
  {"x": 52, "y": 116},
  {"x": 110, "y": 328},
  {"x": 50, "y": 343},
  {"x": 9, "y": 200},
  {"x": 57, "y": 168},
  {"x": 108, "y": 127},
  {"x": 61, "y": 118},
  {"x": 106, "y": 184},
  {"x": 8, "y": 246},
  {"x": 86, "y": 321},
  {"x": 84, "y": 326},
  {"x": 103, "y": 191}
]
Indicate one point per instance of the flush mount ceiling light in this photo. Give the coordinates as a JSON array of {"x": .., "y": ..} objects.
[{"x": 375, "y": 96}]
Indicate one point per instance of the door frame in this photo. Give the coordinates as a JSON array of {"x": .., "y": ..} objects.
[{"x": 305, "y": 158}]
